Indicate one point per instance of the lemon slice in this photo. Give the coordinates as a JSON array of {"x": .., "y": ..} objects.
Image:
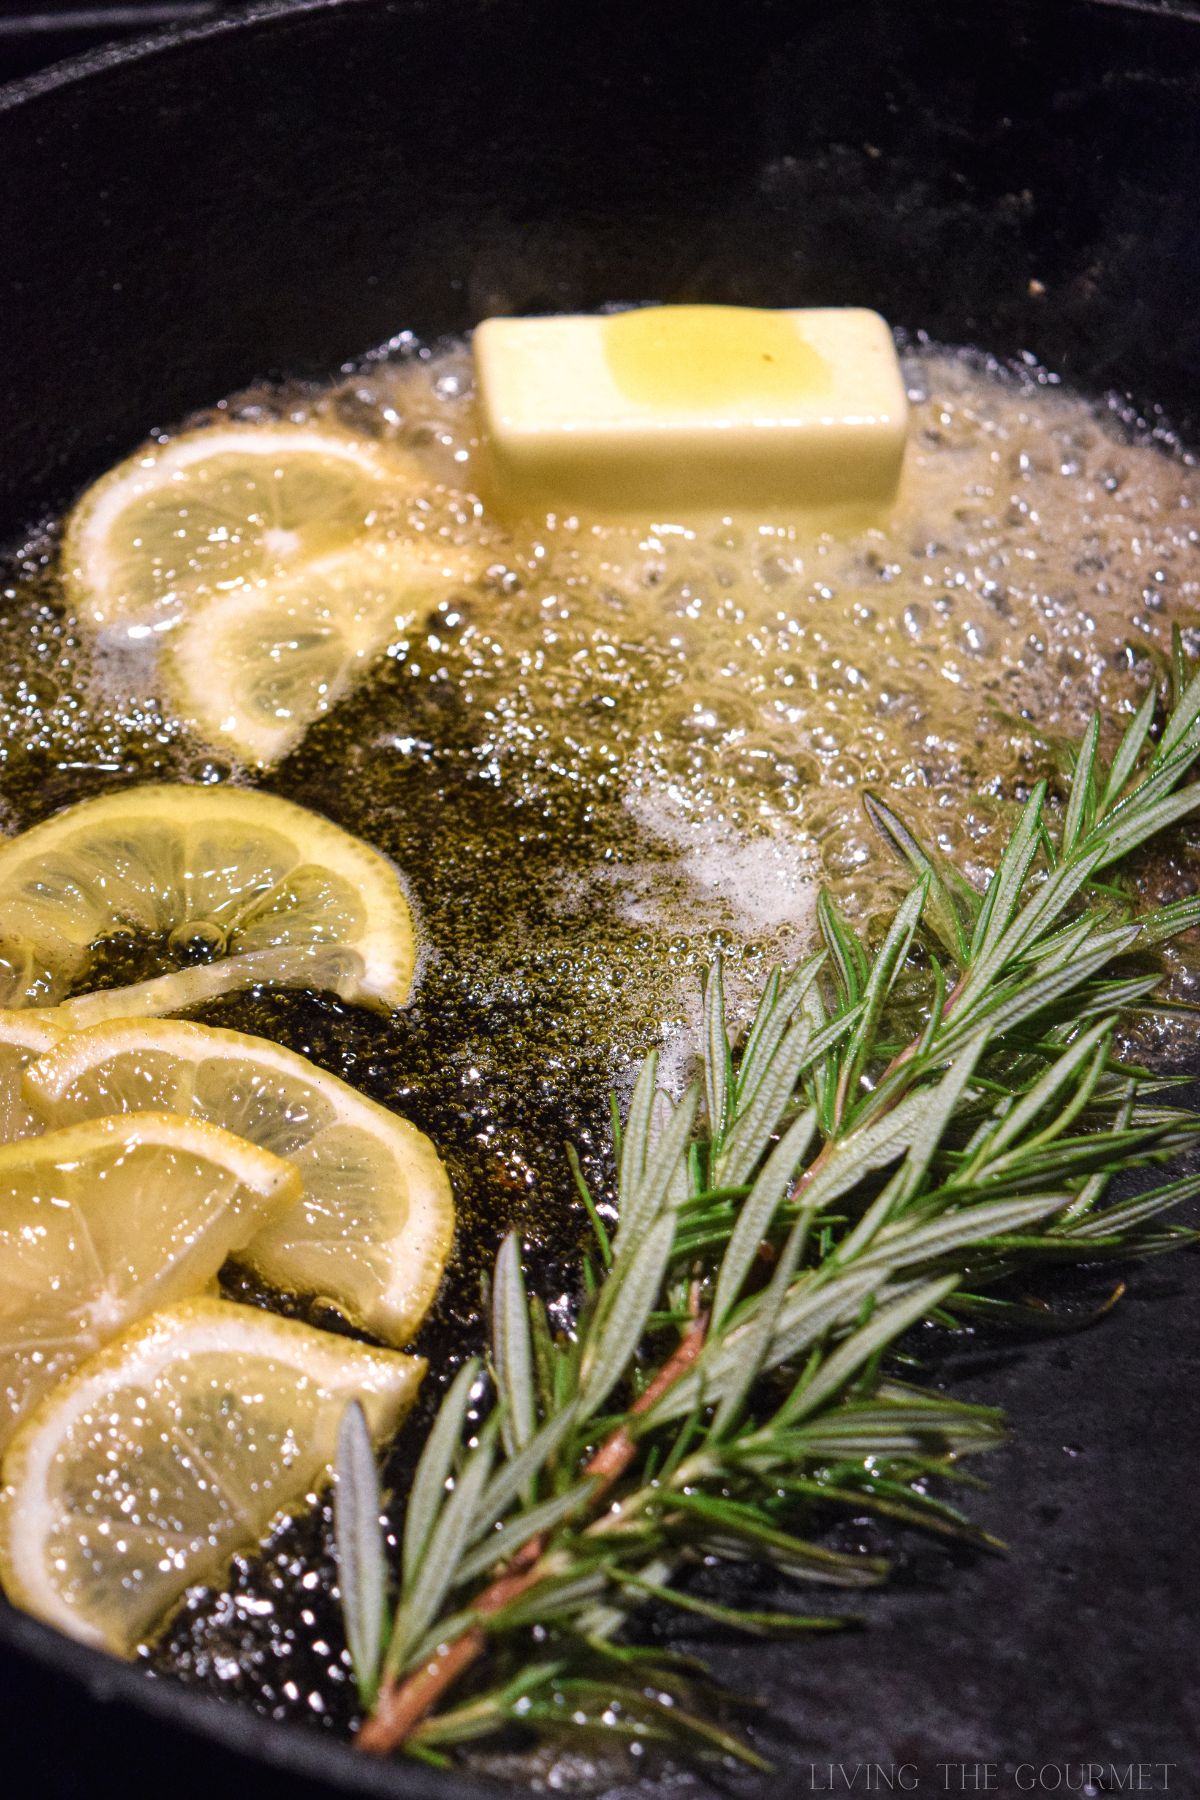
[
  {"x": 22, "y": 1039},
  {"x": 373, "y": 1228},
  {"x": 235, "y": 872},
  {"x": 225, "y": 507},
  {"x": 251, "y": 670},
  {"x": 314, "y": 966},
  {"x": 170, "y": 1450},
  {"x": 104, "y": 1221}
]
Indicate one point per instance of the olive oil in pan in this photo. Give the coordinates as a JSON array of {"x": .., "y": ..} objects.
[{"x": 617, "y": 750}]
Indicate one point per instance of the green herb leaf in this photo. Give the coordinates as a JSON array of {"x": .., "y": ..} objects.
[
  {"x": 512, "y": 1348},
  {"x": 437, "y": 1574},
  {"x": 434, "y": 1469},
  {"x": 358, "y": 1541},
  {"x": 617, "y": 1342},
  {"x": 756, "y": 1213}
]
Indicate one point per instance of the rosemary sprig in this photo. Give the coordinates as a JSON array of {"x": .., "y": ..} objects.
[{"x": 815, "y": 1196}]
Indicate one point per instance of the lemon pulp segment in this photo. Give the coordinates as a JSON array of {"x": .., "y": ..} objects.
[
  {"x": 243, "y": 872},
  {"x": 103, "y": 1221},
  {"x": 171, "y": 1449},
  {"x": 373, "y": 1227}
]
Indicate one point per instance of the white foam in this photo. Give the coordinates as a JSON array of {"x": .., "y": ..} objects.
[
  {"x": 752, "y": 889},
  {"x": 760, "y": 882}
]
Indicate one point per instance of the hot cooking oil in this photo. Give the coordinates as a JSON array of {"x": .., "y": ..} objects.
[{"x": 619, "y": 749}]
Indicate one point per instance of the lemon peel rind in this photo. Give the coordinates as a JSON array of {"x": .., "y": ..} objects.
[
  {"x": 362, "y": 596},
  {"x": 318, "y": 967},
  {"x": 189, "y": 663},
  {"x": 31, "y": 1029},
  {"x": 23, "y": 1039},
  {"x": 57, "y": 1316}
]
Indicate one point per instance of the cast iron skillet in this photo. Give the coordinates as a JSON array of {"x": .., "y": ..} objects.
[{"x": 280, "y": 191}]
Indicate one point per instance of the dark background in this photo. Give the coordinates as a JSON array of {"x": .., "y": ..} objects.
[{"x": 32, "y": 36}]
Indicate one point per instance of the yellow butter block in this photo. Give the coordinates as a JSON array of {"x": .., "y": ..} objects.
[{"x": 691, "y": 408}]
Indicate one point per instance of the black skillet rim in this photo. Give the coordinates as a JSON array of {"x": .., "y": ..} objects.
[
  {"x": 166, "y": 37},
  {"x": 280, "y": 1745}
]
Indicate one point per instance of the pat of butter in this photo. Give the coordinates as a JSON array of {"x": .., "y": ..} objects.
[{"x": 692, "y": 408}]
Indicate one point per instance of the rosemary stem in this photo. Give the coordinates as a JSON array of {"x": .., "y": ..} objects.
[
  {"x": 401, "y": 1705},
  {"x": 623, "y": 1516}
]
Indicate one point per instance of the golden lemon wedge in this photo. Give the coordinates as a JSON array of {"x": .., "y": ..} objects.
[
  {"x": 229, "y": 506},
  {"x": 22, "y": 1039},
  {"x": 373, "y": 1228},
  {"x": 104, "y": 1221},
  {"x": 171, "y": 1449},
  {"x": 267, "y": 890},
  {"x": 250, "y": 671}
]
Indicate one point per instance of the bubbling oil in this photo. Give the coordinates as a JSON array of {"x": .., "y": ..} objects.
[
  {"x": 737, "y": 686},
  {"x": 619, "y": 749},
  {"x": 723, "y": 694}
]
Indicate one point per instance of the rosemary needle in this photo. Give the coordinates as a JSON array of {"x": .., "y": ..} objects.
[{"x": 879, "y": 1177}]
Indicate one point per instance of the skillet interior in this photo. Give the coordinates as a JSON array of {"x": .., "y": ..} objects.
[{"x": 277, "y": 194}]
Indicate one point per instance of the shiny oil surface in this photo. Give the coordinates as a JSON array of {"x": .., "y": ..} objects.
[{"x": 622, "y": 748}]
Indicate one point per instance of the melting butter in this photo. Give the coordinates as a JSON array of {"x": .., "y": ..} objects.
[
  {"x": 689, "y": 410},
  {"x": 685, "y": 358}
]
